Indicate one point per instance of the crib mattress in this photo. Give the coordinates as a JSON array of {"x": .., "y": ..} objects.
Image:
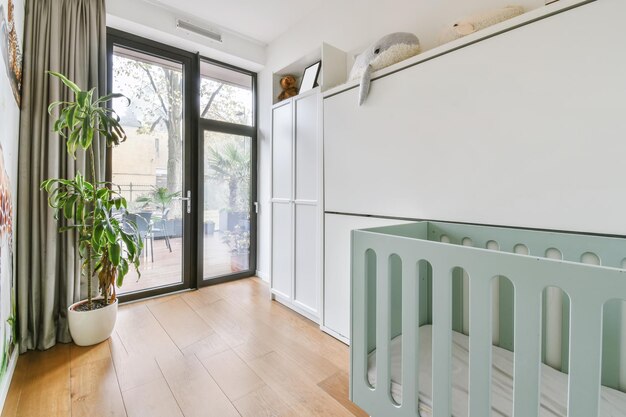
[{"x": 553, "y": 382}]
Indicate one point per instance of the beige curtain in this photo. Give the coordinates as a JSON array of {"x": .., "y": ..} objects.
[{"x": 67, "y": 36}]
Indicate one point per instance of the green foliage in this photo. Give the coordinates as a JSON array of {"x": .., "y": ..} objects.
[
  {"x": 4, "y": 363},
  {"x": 12, "y": 322},
  {"x": 231, "y": 164},
  {"x": 114, "y": 246},
  {"x": 221, "y": 101},
  {"x": 160, "y": 197},
  {"x": 106, "y": 246},
  {"x": 79, "y": 120},
  {"x": 237, "y": 240}
]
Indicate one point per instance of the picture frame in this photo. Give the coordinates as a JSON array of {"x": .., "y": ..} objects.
[{"x": 310, "y": 76}]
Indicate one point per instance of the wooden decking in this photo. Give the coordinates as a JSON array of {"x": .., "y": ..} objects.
[
  {"x": 222, "y": 351},
  {"x": 166, "y": 268}
]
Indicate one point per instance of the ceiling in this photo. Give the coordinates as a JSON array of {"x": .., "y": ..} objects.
[{"x": 262, "y": 20}]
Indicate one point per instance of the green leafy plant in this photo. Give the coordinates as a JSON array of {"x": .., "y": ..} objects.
[
  {"x": 159, "y": 197},
  {"x": 231, "y": 165},
  {"x": 237, "y": 240},
  {"x": 107, "y": 246}
]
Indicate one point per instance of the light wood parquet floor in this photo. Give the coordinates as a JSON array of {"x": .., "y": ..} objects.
[{"x": 222, "y": 351}]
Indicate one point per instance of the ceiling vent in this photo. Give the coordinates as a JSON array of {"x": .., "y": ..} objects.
[{"x": 181, "y": 24}]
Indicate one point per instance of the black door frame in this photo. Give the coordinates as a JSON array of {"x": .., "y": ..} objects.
[
  {"x": 194, "y": 127},
  {"x": 233, "y": 129}
]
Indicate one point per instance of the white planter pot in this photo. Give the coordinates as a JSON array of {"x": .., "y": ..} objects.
[{"x": 91, "y": 327}]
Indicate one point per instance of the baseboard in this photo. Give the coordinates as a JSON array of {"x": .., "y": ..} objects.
[
  {"x": 336, "y": 335},
  {"x": 297, "y": 307},
  {"x": 264, "y": 276},
  {"x": 4, "y": 388}
]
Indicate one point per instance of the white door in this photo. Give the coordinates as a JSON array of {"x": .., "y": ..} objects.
[
  {"x": 282, "y": 249},
  {"x": 306, "y": 293},
  {"x": 306, "y": 152},
  {"x": 282, "y": 205},
  {"x": 282, "y": 149},
  {"x": 307, "y": 270}
]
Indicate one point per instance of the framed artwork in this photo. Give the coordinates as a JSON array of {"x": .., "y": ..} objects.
[
  {"x": 309, "y": 78},
  {"x": 10, "y": 46},
  {"x": 11, "y": 36}
]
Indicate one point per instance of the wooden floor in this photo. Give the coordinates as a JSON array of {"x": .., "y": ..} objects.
[{"x": 222, "y": 351}]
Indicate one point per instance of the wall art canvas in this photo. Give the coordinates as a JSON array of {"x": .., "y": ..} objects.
[
  {"x": 11, "y": 22},
  {"x": 11, "y": 38}
]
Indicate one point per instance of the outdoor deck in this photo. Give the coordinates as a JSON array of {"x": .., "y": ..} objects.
[{"x": 166, "y": 268}]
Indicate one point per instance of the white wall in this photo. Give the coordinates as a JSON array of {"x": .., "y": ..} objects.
[
  {"x": 157, "y": 22},
  {"x": 350, "y": 25}
]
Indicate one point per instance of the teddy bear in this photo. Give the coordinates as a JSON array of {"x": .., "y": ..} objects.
[{"x": 288, "y": 84}]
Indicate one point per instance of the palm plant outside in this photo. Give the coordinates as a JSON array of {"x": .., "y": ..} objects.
[
  {"x": 231, "y": 165},
  {"x": 160, "y": 197}
]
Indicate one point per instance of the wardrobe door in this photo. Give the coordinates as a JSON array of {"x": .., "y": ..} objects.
[
  {"x": 307, "y": 288},
  {"x": 306, "y": 152},
  {"x": 282, "y": 249},
  {"x": 306, "y": 155},
  {"x": 282, "y": 149},
  {"x": 282, "y": 203}
]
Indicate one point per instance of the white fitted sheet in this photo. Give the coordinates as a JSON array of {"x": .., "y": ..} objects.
[{"x": 553, "y": 382}]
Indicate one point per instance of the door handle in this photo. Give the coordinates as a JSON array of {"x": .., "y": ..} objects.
[{"x": 187, "y": 200}]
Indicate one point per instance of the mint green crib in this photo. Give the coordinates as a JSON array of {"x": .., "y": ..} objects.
[{"x": 408, "y": 275}]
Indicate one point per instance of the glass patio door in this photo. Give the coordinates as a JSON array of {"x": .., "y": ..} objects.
[
  {"x": 228, "y": 139},
  {"x": 227, "y": 204},
  {"x": 188, "y": 168},
  {"x": 152, "y": 168}
]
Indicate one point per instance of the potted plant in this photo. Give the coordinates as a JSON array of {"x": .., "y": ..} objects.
[
  {"x": 108, "y": 246},
  {"x": 209, "y": 227},
  {"x": 160, "y": 197},
  {"x": 239, "y": 243}
]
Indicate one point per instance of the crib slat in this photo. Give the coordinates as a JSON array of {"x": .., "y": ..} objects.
[
  {"x": 442, "y": 341},
  {"x": 410, "y": 335},
  {"x": 383, "y": 328},
  {"x": 480, "y": 347},
  {"x": 585, "y": 358},
  {"x": 358, "y": 348},
  {"x": 527, "y": 356}
]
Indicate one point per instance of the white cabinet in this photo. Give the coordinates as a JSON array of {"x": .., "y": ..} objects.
[
  {"x": 296, "y": 209},
  {"x": 337, "y": 227}
]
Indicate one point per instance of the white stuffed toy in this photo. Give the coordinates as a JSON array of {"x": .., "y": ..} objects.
[
  {"x": 479, "y": 21},
  {"x": 386, "y": 51}
]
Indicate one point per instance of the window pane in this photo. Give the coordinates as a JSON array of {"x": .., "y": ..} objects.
[
  {"x": 225, "y": 94},
  {"x": 227, "y": 175},
  {"x": 148, "y": 166}
]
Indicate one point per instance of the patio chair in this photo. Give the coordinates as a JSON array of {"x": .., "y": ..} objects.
[
  {"x": 162, "y": 221},
  {"x": 144, "y": 227}
]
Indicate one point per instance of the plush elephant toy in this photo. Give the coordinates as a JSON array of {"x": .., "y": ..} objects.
[{"x": 386, "y": 51}]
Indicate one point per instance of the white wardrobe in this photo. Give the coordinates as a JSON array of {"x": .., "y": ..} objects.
[{"x": 296, "y": 203}]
